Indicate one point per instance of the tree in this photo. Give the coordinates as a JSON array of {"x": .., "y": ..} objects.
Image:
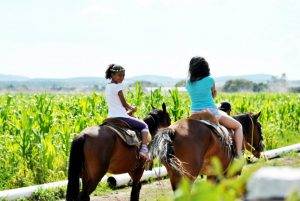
[
  {"x": 238, "y": 85},
  {"x": 243, "y": 85},
  {"x": 259, "y": 87}
]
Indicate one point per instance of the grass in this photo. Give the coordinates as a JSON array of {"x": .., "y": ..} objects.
[
  {"x": 162, "y": 191},
  {"x": 232, "y": 189}
]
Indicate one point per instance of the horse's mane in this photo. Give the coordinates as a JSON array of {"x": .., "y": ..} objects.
[{"x": 153, "y": 119}]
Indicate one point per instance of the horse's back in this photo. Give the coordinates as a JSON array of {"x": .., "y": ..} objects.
[{"x": 191, "y": 128}]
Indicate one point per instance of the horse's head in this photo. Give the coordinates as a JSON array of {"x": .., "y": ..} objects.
[
  {"x": 158, "y": 118},
  {"x": 252, "y": 132}
]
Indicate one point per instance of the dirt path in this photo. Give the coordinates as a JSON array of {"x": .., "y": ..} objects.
[
  {"x": 158, "y": 190},
  {"x": 161, "y": 190}
]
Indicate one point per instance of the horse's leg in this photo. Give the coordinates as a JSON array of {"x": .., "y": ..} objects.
[
  {"x": 136, "y": 184},
  {"x": 96, "y": 166},
  {"x": 190, "y": 171},
  {"x": 90, "y": 182},
  {"x": 175, "y": 180},
  {"x": 174, "y": 176}
]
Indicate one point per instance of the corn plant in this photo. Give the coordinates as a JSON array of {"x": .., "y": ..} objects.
[
  {"x": 176, "y": 105},
  {"x": 37, "y": 129}
]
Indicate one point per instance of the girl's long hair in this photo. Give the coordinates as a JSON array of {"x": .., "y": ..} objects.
[{"x": 199, "y": 69}]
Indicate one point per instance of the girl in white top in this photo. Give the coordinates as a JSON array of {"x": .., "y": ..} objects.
[{"x": 119, "y": 108}]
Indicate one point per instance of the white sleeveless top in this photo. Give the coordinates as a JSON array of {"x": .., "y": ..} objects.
[{"x": 115, "y": 107}]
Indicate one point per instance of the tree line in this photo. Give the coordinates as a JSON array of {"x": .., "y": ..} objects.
[{"x": 276, "y": 84}]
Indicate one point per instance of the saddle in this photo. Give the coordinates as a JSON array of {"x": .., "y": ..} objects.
[
  {"x": 129, "y": 135},
  {"x": 223, "y": 135},
  {"x": 220, "y": 131}
]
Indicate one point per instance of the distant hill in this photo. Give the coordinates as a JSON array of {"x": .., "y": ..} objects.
[
  {"x": 87, "y": 83},
  {"x": 4, "y": 78},
  {"x": 78, "y": 81},
  {"x": 160, "y": 80}
]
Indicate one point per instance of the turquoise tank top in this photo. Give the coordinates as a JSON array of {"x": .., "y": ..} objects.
[{"x": 201, "y": 94}]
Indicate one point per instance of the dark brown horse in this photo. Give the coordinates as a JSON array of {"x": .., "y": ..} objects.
[
  {"x": 99, "y": 149},
  {"x": 187, "y": 147}
]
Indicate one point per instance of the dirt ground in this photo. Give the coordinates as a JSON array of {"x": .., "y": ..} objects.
[
  {"x": 161, "y": 190},
  {"x": 155, "y": 191}
]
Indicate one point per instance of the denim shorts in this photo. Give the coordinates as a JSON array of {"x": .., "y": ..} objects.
[{"x": 217, "y": 113}]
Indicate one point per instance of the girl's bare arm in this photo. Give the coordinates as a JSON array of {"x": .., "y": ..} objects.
[
  {"x": 214, "y": 91},
  {"x": 124, "y": 103}
]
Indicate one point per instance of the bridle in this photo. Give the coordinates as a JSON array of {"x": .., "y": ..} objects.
[{"x": 252, "y": 137}]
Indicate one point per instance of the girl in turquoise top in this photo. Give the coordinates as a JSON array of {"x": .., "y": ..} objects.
[{"x": 202, "y": 91}]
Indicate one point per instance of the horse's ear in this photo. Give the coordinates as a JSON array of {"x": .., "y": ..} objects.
[
  {"x": 257, "y": 115},
  {"x": 164, "y": 107},
  {"x": 152, "y": 106}
]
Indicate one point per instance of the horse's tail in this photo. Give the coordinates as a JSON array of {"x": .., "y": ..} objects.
[
  {"x": 162, "y": 147},
  {"x": 75, "y": 166}
]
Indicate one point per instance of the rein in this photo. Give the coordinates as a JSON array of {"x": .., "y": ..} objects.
[{"x": 252, "y": 135}]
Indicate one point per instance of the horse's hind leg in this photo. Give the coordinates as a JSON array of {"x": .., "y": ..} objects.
[
  {"x": 136, "y": 184},
  {"x": 89, "y": 184},
  {"x": 175, "y": 179},
  {"x": 135, "y": 191}
]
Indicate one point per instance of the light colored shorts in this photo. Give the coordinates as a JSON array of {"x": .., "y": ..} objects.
[{"x": 217, "y": 113}]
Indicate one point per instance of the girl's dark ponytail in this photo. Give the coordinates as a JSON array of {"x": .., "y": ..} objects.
[{"x": 108, "y": 71}]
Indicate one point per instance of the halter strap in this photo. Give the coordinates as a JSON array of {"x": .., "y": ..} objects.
[{"x": 252, "y": 135}]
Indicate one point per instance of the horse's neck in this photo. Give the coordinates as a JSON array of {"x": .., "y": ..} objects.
[
  {"x": 152, "y": 125},
  {"x": 245, "y": 121}
]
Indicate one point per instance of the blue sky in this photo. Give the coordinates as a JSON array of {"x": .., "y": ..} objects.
[{"x": 61, "y": 38}]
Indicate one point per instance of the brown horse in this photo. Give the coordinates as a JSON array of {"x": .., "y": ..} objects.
[
  {"x": 98, "y": 149},
  {"x": 187, "y": 147}
]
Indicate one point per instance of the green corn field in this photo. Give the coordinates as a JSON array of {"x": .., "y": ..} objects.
[{"x": 37, "y": 129}]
